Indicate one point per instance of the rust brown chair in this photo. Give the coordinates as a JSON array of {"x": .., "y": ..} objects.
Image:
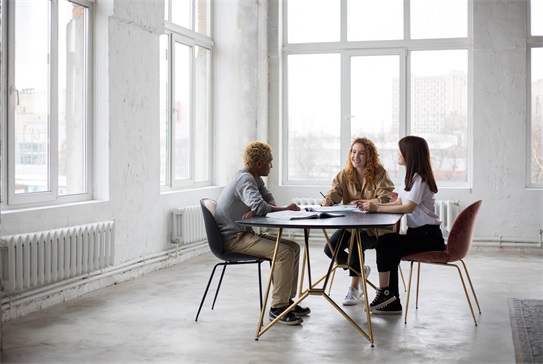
[{"x": 457, "y": 248}]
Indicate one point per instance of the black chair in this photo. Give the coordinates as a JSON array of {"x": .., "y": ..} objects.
[{"x": 227, "y": 258}]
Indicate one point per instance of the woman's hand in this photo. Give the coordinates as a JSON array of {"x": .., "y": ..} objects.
[
  {"x": 368, "y": 206},
  {"x": 327, "y": 202}
]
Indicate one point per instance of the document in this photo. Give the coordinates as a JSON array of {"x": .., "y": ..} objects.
[
  {"x": 298, "y": 215},
  {"x": 335, "y": 208}
]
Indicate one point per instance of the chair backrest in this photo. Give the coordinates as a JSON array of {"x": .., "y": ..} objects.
[
  {"x": 462, "y": 231},
  {"x": 214, "y": 237}
]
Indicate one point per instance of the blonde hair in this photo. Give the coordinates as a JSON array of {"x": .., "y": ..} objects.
[{"x": 256, "y": 152}]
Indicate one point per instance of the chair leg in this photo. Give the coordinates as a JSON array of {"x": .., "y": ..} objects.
[
  {"x": 466, "y": 292},
  {"x": 207, "y": 288},
  {"x": 418, "y": 284},
  {"x": 401, "y": 275},
  {"x": 408, "y": 292},
  {"x": 471, "y": 286},
  {"x": 260, "y": 284},
  {"x": 461, "y": 280},
  {"x": 219, "y": 285}
]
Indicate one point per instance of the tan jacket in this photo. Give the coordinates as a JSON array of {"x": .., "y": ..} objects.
[{"x": 346, "y": 191}]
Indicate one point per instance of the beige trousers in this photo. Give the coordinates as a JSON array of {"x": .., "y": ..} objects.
[{"x": 285, "y": 277}]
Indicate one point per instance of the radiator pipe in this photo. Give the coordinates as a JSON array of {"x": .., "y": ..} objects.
[{"x": 510, "y": 242}]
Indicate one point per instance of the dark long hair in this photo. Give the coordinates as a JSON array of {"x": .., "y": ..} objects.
[{"x": 416, "y": 155}]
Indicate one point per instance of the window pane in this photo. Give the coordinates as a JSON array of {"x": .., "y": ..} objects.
[
  {"x": 32, "y": 85},
  {"x": 313, "y": 116},
  {"x": 181, "y": 111},
  {"x": 164, "y": 120},
  {"x": 313, "y": 21},
  {"x": 201, "y": 113},
  {"x": 439, "y": 109},
  {"x": 439, "y": 19},
  {"x": 536, "y": 11},
  {"x": 374, "y": 20},
  {"x": 537, "y": 116},
  {"x": 203, "y": 17},
  {"x": 375, "y": 104},
  {"x": 182, "y": 13},
  {"x": 71, "y": 95}
]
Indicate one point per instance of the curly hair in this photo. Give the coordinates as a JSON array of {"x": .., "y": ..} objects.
[
  {"x": 373, "y": 161},
  {"x": 256, "y": 152}
]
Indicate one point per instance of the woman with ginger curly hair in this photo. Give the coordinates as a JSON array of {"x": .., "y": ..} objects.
[{"x": 364, "y": 179}]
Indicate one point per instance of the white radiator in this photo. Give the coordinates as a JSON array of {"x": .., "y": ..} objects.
[
  {"x": 447, "y": 211},
  {"x": 45, "y": 257},
  {"x": 303, "y": 201},
  {"x": 188, "y": 225}
]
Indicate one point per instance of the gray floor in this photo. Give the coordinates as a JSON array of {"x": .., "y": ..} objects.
[{"x": 151, "y": 319}]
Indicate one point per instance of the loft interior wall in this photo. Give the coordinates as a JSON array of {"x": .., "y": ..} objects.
[
  {"x": 127, "y": 98},
  {"x": 241, "y": 113},
  {"x": 509, "y": 209}
]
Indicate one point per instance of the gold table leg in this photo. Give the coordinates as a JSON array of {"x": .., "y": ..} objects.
[{"x": 312, "y": 290}]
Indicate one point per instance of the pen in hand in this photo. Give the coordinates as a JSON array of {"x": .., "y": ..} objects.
[{"x": 325, "y": 199}]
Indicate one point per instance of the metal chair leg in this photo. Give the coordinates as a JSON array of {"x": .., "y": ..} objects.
[
  {"x": 260, "y": 284},
  {"x": 401, "y": 275},
  {"x": 408, "y": 292},
  {"x": 207, "y": 288},
  {"x": 219, "y": 285}
]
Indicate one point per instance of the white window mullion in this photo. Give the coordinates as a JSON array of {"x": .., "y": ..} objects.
[
  {"x": 12, "y": 99},
  {"x": 346, "y": 114},
  {"x": 53, "y": 100}
]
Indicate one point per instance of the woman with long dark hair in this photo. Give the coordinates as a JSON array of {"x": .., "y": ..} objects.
[{"x": 416, "y": 200}]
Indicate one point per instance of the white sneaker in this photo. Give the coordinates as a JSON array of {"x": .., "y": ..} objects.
[{"x": 352, "y": 297}]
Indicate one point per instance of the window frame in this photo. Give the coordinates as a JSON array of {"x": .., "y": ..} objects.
[
  {"x": 192, "y": 39},
  {"x": 11, "y": 200},
  {"x": 532, "y": 42},
  {"x": 346, "y": 49}
]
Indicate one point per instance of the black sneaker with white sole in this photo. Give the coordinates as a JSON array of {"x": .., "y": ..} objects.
[
  {"x": 383, "y": 298},
  {"x": 289, "y": 319},
  {"x": 393, "y": 308},
  {"x": 299, "y": 310}
]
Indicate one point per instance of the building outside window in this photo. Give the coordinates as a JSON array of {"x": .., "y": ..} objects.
[{"x": 377, "y": 69}]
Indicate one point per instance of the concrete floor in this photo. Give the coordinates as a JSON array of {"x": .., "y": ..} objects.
[{"x": 151, "y": 319}]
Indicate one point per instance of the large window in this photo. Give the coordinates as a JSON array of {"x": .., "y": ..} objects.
[
  {"x": 185, "y": 77},
  {"x": 47, "y": 118},
  {"x": 377, "y": 69},
  {"x": 535, "y": 66}
]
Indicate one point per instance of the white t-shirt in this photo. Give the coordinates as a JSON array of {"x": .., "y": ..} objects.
[{"x": 424, "y": 198}]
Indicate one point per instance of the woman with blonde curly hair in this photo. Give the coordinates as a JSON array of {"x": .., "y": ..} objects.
[{"x": 364, "y": 179}]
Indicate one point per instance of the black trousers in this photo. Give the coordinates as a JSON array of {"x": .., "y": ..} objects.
[
  {"x": 392, "y": 247},
  {"x": 341, "y": 239}
]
